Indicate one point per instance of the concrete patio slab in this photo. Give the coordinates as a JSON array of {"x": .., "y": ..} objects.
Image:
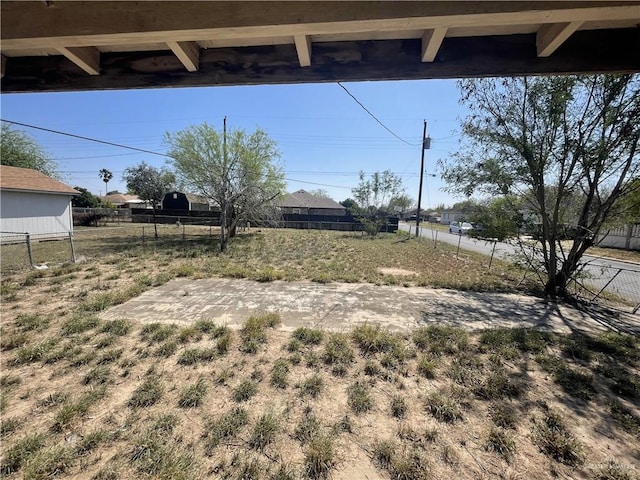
[{"x": 340, "y": 306}]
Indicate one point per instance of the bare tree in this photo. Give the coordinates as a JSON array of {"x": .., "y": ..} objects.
[{"x": 553, "y": 141}]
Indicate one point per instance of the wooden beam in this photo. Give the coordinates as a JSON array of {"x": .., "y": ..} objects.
[
  {"x": 551, "y": 36},
  {"x": 188, "y": 53},
  {"x": 87, "y": 58},
  {"x": 431, "y": 41},
  {"x": 594, "y": 51},
  {"x": 3, "y": 65},
  {"x": 111, "y": 23},
  {"x": 303, "y": 47}
]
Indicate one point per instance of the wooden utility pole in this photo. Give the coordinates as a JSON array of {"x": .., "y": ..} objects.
[{"x": 424, "y": 147}]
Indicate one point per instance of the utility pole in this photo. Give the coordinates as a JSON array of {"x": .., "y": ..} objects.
[{"x": 426, "y": 143}]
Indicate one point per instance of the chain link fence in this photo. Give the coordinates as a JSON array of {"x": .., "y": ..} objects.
[
  {"x": 25, "y": 250},
  {"x": 613, "y": 287}
]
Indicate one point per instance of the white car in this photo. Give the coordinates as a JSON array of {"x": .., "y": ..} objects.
[{"x": 461, "y": 228}]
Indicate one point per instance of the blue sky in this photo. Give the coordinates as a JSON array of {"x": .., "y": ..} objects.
[{"x": 324, "y": 136}]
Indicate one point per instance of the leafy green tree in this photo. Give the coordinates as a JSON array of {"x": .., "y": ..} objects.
[
  {"x": 501, "y": 218},
  {"x": 373, "y": 196},
  {"x": 240, "y": 173},
  {"x": 628, "y": 207},
  {"x": 86, "y": 199},
  {"x": 350, "y": 204},
  {"x": 400, "y": 204},
  {"x": 105, "y": 175},
  {"x": 551, "y": 140},
  {"x": 17, "y": 149},
  {"x": 149, "y": 184}
]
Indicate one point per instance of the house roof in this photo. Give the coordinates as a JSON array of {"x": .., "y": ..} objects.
[
  {"x": 28, "y": 180},
  {"x": 193, "y": 198},
  {"x": 121, "y": 199},
  {"x": 303, "y": 199}
]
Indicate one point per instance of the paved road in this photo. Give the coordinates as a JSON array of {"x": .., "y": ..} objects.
[{"x": 601, "y": 271}]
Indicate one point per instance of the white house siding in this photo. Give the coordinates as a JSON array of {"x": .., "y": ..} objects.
[{"x": 42, "y": 214}]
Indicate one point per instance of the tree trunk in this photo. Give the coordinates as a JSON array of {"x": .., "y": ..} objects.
[
  {"x": 223, "y": 229},
  {"x": 155, "y": 225}
]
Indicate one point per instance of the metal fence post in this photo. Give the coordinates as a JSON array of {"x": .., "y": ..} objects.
[
  {"x": 29, "y": 252},
  {"x": 142, "y": 234},
  {"x": 493, "y": 250},
  {"x": 73, "y": 251}
]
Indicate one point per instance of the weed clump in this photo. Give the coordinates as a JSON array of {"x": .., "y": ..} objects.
[
  {"x": 245, "y": 390},
  {"x": 312, "y": 386},
  {"x": 440, "y": 339},
  {"x": 443, "y": 409},
  {"x": 338, "y": 353},
  {"x": 501, "y": 442},
  {"x": 308, "y": 336},
  {"x": 359, "y": 397},
  {"x": 553, "y": 438},
  {"x": 280, "y": 373},
  {"x": 119, "y": 328},
  {"x": 264, "y": 431},
  {"x": 193, "y": 395},
  {"x": 224, "y": 428},
  {"x": 254, "y": 331},
  {"x": 18, "y": 454},
  {"x": 148, "y": 393},
  {"x": 320, "y": 457}
]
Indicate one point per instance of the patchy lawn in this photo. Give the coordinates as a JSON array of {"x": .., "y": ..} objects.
[{"x": 86, "y": 398}]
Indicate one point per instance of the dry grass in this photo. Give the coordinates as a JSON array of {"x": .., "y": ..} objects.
[{"x": 85, "y": 398}]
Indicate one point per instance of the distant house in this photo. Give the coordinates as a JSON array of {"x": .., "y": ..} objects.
[
  {"x": 303, "y": 203},
  {"x": 120, "y": 200},
  {"x": 31, "y": 202},
  {"x": 185, "y": 201},
  {"x": 449, "y": 216}
]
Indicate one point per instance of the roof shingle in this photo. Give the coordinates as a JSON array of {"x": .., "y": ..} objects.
[
  {"x": 303, "y": 199},
  {"x": 26, "y": 179}
]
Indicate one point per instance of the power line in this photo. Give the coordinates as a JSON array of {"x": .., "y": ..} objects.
[
  {"x": 374, "y": 117},
  {"x": 85, "y": 138},
  {"x": 320, "y": 184}
]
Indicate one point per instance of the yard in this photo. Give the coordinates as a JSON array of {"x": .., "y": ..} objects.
[{"x": 84, "y": 397}]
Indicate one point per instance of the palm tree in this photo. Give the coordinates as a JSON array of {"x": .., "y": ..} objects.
[{"x": 105, "y": 175}]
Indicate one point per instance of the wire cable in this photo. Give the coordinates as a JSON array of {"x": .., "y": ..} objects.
[
  {"x": 86, "y": 138},
  {"x": 376, "y": 118}
]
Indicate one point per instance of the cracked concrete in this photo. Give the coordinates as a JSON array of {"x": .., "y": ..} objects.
[{"x": 340, "y": 306}]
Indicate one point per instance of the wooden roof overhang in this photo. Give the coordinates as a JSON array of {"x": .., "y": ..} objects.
[{"x": 95, "y": 45}]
